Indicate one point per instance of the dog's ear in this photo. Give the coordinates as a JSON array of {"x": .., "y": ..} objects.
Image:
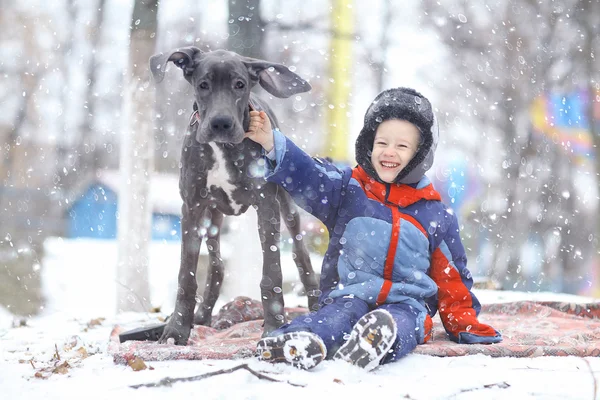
[
  {"x": 183, "y": 57},
  {"x": 276, "y": 79}
]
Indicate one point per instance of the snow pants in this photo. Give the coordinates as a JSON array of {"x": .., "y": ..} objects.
[{"x": 334, "y": 321}]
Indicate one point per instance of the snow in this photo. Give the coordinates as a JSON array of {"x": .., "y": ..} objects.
[
  {"x": 68, "y": 270},
  {"x": 6, "y": 319},
  {"x": 81, "y": 293},
  {"x": 414, "y": 377},
  {"x": 78, "y": 277}
]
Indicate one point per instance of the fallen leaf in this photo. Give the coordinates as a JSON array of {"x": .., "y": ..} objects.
[
  {"x": 137, "y": 364},
  {"x": 71, "y": 343},
  {"x": 336, "y": 380},
  {"x": 39, "y": 375},
  {"x": 95, "y": 322},
  {"x": 62, "y": 368},
  {"x": 82, "y": 352}
]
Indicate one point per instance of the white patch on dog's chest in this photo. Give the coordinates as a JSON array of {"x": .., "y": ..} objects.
[{"x": 219, "y": 177}]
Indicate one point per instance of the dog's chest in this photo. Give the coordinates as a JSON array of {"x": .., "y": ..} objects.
[{"x": 219, "y": 177}]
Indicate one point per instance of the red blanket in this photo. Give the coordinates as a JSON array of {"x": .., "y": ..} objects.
[{"x": 529, "y": 329}]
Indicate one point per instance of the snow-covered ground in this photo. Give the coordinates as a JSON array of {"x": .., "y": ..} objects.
[
  {"x": 80, "y": 286},
  {"x": 75, "y": 326},
  {"x": 91, "y": 373}
]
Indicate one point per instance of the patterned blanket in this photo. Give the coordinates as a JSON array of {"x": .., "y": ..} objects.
[{"x": 529, "y": 329}]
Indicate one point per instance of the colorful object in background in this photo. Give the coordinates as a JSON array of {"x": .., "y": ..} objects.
[
  {"x": 563, "y": 119},
  {"x": 455, "y": 182},
  {"x": 340, "y": 62}
]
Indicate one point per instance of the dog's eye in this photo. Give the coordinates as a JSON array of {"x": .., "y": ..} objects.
[
  {"x": 203, "y": 86},
  {"x": 239, "y": 85}
]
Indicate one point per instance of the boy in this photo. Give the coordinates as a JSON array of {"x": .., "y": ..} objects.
[{"x": 395, "y": 256}]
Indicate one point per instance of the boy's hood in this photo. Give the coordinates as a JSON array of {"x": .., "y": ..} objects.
[{"x": 405, "y": 104}]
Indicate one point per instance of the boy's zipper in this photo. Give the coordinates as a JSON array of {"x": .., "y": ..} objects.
[{"x": 387, "y": 191}]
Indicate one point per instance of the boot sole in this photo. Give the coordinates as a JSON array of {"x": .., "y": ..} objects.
[
  {"x": 300, "y": 349},
  {"x": 370, "y": 340}
]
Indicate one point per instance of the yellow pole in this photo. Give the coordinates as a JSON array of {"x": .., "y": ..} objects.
[{"x": 340, "y": 62}]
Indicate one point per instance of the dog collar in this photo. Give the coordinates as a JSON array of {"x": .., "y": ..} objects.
[{"x": 194, "y": 118}]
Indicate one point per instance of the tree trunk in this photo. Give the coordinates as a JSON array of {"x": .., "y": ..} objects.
[
  {"x": 246, "y": 29},
  {"x": 384, "y": 45},
  {"x": 136, "y": 163},
  {"x": 88, "y": 152}
]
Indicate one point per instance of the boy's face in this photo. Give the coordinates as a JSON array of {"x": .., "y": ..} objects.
[{"x": 396, "y": 143}]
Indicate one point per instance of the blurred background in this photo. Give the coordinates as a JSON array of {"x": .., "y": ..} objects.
[{"x": 90, "y": 146}]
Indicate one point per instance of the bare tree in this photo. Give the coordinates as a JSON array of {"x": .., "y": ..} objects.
[
  {"x": 378, "y": 57},
  {"x": 21, "y": 210},
  {"x": 174, "y": 108},
  {"x": 508, "y": 54},
  {"x": 587, "y": 16},
  {"x": 88, "y": 150},
  {"x": 136, "y": 164},
  {"x": 246, "y": 28}
]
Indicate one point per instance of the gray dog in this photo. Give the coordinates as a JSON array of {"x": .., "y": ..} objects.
[{"x": 221, "y": 175}]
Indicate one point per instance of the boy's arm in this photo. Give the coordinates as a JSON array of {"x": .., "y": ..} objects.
[
  {"x": 315, "y": 184},
  {"x": 458, "y": 307}
]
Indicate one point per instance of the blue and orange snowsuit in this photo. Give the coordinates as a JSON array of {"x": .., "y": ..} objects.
[{"x": 391, "y": 246}]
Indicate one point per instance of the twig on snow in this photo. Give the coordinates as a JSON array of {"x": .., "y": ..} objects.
[
  {"x": 169, "y": 381},
  {"x": 500, "y": 385},
  {"x": 593, "y": 377}
]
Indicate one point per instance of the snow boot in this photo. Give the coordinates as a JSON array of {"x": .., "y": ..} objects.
[
  {"x": 370, "y": 340},
  {"x": 300, "y": 349}
]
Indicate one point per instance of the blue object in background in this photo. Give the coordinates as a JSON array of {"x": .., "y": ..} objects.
[
  {"x": 569, "y": 111},
  {"x": 457, "y": 185},
  {"x": 93, "y": 215},
  {"x": 166, "y": 227}
]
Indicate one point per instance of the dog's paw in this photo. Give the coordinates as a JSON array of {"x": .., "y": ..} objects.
[
  {"x": 202, "y": 317},
  {"x": 175, "y": 335}
]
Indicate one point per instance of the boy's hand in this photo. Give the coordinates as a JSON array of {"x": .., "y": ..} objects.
[{"x": 260, "y": 130}]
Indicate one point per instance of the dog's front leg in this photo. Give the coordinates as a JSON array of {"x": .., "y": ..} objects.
[
  {"x": 181, "y": 320},
  {"x": 289, "y": 212},
  {"x": 271, "y": 285},
  {"x": 215, "y": 273}
]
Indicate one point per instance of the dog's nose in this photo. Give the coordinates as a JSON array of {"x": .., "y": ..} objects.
[{"x": 221, "y": 124}]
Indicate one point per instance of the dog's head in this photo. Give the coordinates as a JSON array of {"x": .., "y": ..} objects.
[{"x": 222, "y": 81}]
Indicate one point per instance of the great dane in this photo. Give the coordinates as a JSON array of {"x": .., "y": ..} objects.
[{"x": 222, "y": 173}]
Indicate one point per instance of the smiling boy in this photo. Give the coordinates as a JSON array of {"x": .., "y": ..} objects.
[{"x": 395, "y": 256}]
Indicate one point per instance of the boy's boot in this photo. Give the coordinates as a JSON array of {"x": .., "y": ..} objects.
[
  {"x": 300, "y": 349},
  {"x": 370, "y": 340}
]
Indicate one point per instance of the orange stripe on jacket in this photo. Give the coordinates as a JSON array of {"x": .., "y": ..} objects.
[
  {"x": 414, "y": 222},
  {"x": 454, "y": 299},
  {"x": 399, "y": 194},
  {"x": 428, "y": 325},
  {"x": 384, "y": 292}
]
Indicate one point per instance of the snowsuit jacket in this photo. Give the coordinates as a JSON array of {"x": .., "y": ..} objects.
[{"x": 389, "y": 243}]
